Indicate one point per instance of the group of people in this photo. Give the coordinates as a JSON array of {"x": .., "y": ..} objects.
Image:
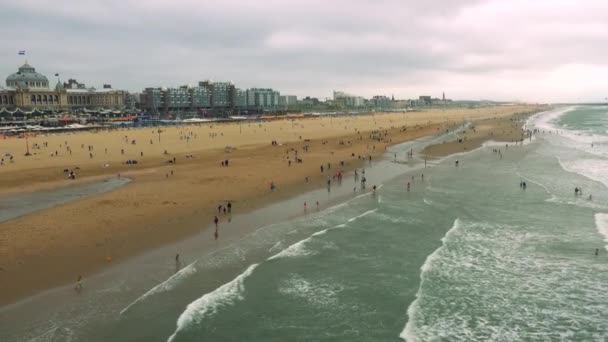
[
  {"x": 579, "y": 192},
  {"x": 226, "y": 210}
]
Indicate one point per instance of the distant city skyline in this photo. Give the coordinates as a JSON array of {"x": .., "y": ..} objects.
[{"x": 542, "y": 51}]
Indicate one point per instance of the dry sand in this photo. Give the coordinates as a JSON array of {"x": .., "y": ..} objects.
[{"x": 52, "y": 247}]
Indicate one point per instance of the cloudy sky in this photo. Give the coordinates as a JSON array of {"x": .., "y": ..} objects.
[{"x": 541, "y": 50}]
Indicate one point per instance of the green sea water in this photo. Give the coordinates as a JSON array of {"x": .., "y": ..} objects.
[{"x": 465, "y": 255}]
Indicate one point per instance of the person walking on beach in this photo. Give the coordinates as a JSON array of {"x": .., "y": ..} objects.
[
  {"x": 229, "y": 205},
  {"x": 216, "y": 220},
  {"x": 78, "y": 287}
]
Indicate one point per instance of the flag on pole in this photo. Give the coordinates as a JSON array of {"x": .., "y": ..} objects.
[{"x": 21, "y": 52}]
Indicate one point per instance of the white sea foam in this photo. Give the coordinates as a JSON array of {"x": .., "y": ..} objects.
[
  {"x": 544, "y": 120},
  {"x": 275, "y": 246},
  {"x": 408, "y": 334},
  {"x": 580, "y": 140},
  {"x": 396, "y": 219},
  {"x": 209, "y": 303},
  {"x": 295, "y": 250},
  {"x": 166, "y": 285},
  {"x": 601, "y": 223},
  {"x": 321, "y": 232},
  {"x": 362, "y": 215},
  {"x": 427, "y": 201},
  {"x": 299, "y": 248},
  {"x": 594, "y": 169},
  {"x": 318, "y": 294}
]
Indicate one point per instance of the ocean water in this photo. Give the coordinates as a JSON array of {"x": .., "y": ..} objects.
[{"x": 465, "y": 255}]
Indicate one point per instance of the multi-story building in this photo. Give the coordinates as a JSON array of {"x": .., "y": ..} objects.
[
  {"x": 239, "y": 98},
  {"x": 288, "y": 100},
  {"x": 152, "y": 100},
  {"x": 73, "y": 84},
  {"x": 218, "y": 97},
  {"x": 346, "y": 100},
  {"x": 200, "y": 97},
  {"x": 220, "y": 93},
  {"x": 425, "y": 100},
  {"x": 177, "y": 99},
  {"x": 28, "y": 90},
  {"x": 381, "y": 101},
  {"x": 250, "y": 98},
  {"x": 265, "y": 98},
  {"x": 132, "y": 101}
]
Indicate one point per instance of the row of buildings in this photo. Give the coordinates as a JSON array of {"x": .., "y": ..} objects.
[
  {"x": 343, "y": 100},
  {"x": 214, "y": 97},
  {"x": 27, "y": 89}
]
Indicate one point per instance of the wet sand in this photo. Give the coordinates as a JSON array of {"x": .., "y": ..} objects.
[
  {"x": 53, "y": 246},
  {"x": 507, "y": 130}
]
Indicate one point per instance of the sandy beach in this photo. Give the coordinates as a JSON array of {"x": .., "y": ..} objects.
[{"x": 179, "y": 181}]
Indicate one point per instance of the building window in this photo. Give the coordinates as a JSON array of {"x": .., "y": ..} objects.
[
  {"x": 33, "y": 99},
  {"x": 56, "y": 99}
]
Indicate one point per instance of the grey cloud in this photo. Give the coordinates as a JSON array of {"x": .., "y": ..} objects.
[{"x": 471, "y": 47}]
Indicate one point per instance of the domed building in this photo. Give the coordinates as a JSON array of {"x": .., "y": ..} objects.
[
  {"x": 27, "y": 89},
  {"x": 27, "y": 77}
]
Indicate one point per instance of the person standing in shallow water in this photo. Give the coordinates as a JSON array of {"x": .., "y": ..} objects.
[{"x": 78, "y": 287}]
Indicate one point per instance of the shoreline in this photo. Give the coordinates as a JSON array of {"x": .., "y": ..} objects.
[
  {"x": 182, "y": 226},
  {"x": 480, "y": 132}
]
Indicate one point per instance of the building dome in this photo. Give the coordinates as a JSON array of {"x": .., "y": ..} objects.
[{"x": 27, "y": 77}]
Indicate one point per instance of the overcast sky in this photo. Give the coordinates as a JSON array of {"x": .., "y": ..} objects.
[{"x": 529, "y": 50}]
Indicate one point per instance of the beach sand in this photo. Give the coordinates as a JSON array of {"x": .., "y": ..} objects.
[
  {"x": 507, "y": 130},
  {"x": 52, "y": 247}
]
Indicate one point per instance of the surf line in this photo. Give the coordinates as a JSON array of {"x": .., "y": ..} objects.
[
  {"x": 233, "y": 290},
  {"x": 292, "y": 249},
  {"x": 189, "y": 270},
  {"x": 210, "y": 302},
  {"x": 408, "y": 334}
]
